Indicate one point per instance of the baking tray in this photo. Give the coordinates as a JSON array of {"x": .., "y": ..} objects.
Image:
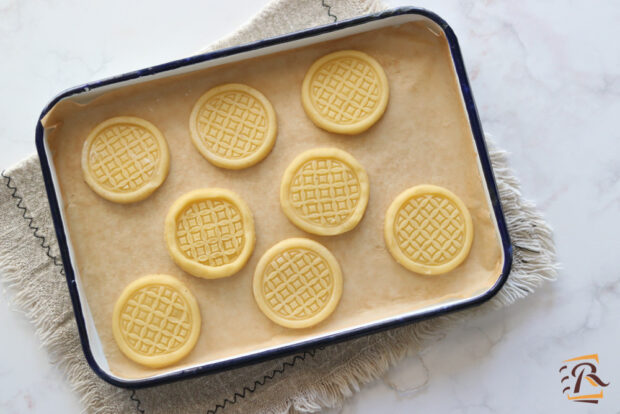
[{"x": 92, "y": 349}]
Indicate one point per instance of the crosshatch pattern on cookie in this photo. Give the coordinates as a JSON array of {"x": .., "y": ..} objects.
[
  {"x": 211, "y": 232},
  {"x": 297, "y": 284},
  {"x": 325, "y": 191},
  {"x": 123, "y": 157},
  {"x": 430, "y": 229},
  {"x": 345, "y": 90},
  {"x": 155, "y": 320},
  {"x": 232, "y": 124}
]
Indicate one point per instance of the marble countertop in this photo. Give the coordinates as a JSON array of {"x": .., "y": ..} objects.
[{"x": 546, "y": 77}]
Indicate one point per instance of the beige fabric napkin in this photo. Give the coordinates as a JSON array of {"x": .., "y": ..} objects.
[{"x": 30, "y": 266}]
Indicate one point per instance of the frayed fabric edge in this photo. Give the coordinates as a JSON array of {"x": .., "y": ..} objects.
[{"x": 26, "y": 301}]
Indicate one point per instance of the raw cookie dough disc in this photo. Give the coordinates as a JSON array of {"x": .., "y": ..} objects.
[
  {"x": 345, "y": 92},
  {"x": 324, "y": 191},
  {"x": 210, "y": 232},
  {"x": 428, "y": 229},
  {"x": 156, "y": 321},
  {"x": 125, "y": 159},
  {"x": 297, "y": 283},
  {"x": 233, "y": 126}
]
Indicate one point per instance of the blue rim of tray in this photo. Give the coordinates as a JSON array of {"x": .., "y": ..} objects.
[{"x": 312, "y": 343}]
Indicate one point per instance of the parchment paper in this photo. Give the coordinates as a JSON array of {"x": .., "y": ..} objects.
[{"x": 424, "y": 137}]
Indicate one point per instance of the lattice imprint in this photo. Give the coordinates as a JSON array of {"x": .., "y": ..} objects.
[
  {"x": 297, "y": 283},
  {"x": 325, "y": 191},
  {"x": 125, "y": 159},
  {"x": 428, "y": 229},
  {"x": 345, "y": 92},
  {"x": 210, "y": 232},
  {"x": 233, "y": 126},
  {"x": 156, "y": 321}
]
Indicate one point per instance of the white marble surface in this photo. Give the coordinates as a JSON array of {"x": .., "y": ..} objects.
[{"x": 546, "y": 77}]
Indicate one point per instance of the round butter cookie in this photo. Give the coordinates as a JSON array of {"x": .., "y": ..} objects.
[
  {"x": 345, "y": 92},
  {"x": 156, "y": 321},
  {"x": 325, "y": 191},
  {"x": 297, "y": 283},
  {"x": 233, "y": 126},
  {"x": 428, "y": 229},
  {"x": 210, "y": 232},
  {"x": 125, "y": 159}
]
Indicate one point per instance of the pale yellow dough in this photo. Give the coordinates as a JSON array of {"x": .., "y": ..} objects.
[
  {"x": 345, "y": 92},
  {"x": 297, "y": 283},
  {"x": 210, "y": 232},
  {"x": 325, "y": 191},
  {"x": 428, "y": 229},
  {"x": 233, "y": 126},
  {"x": 125, "y": 159},
  {"x": 156, "y": 321}
]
